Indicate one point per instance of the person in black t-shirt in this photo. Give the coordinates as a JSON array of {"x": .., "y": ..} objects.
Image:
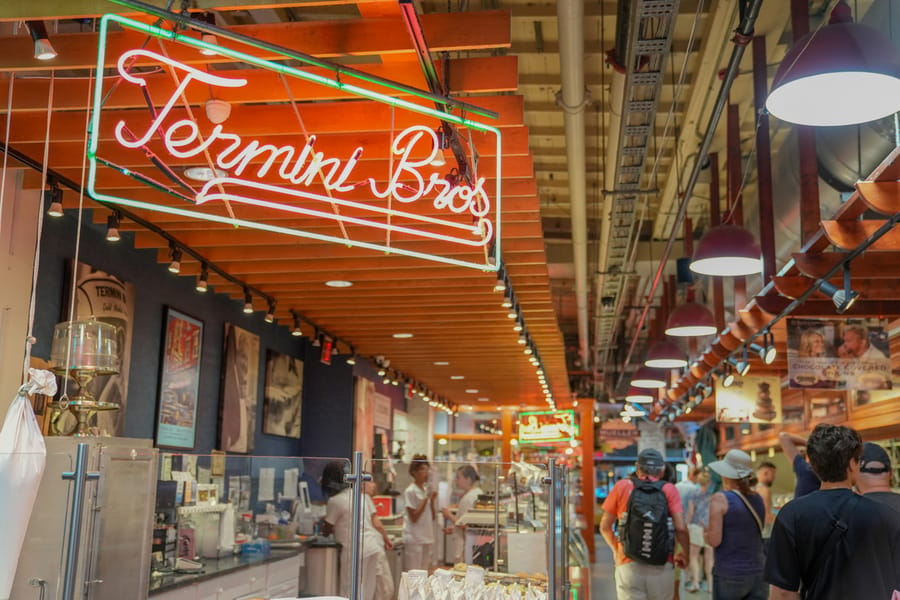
[{"x": 834, "y": 544}]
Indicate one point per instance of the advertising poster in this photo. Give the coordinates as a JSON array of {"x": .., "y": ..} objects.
[
  {"x": 109, "y": 300},
  {"x": 749, "y": 400},
  {"x": 283, "y": 395},
  {"x": 240, "y": 386},
  {"x": 179, "y": 381},
  {"x": 838, "y": 354}
]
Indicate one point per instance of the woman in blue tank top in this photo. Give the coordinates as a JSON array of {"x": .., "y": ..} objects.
[{"x": 735, "y": 531}]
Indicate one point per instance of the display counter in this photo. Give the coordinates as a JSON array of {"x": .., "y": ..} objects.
[{"x": 278, "y": 574}]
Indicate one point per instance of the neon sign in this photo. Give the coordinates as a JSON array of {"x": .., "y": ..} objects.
[
  {"x": 547, "y": 426},
  {"x": 409, "y": 201}
]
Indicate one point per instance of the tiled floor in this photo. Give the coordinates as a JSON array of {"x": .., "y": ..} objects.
[{"x": 603, "y": 586}]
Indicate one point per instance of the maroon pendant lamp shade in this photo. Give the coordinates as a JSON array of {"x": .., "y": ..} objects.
[
  {"x": 689, "y": 320},
  {"x": 640, "y": 396},
  {"x": 665, "y": 355},
  {"x": 648, "y": 378},
  {"x": 727, "y": 250},
  {"x": 841, "y": 74}
]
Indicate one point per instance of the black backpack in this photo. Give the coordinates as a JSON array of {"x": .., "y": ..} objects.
[{"x": 645, "y": 533}]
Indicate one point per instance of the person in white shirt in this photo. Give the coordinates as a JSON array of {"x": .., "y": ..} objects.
[
  {"x": 467, "y": 482},
  {"x": 339, "y": 519},
  {"x": 418, "y": 524}
]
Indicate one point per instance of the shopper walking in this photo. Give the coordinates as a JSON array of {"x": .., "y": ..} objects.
[
  {"x": 635, "y": 577},
  {"x": 736, "y": 517},
  {"x": 698, "y": 523},
  {"x": 418, "y": 522},
  {"x": 833, "y": 544}
]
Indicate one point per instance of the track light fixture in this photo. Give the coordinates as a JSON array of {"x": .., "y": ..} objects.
[
  {"x": 740, "y": 367},
  {"x": 248, "y": 302},
  {"x": 43, "y": 49},
  {"x": 316, "y": 341},
  {"x": 296, "y": 331},
  {"x": 766, "y": 353},
  {"x": 270, "y": 313},
  {"x": 53, "y": 199},
  {"x": 500, "y": 284},
  {"x": 175, "y": 265},
  {"x": 512, "y": 312},
  {"x": 843, "y": 298},
  {"x": 112, "y": 228},
  {"x": 203, "y": 281},
  {"x": 507, "y": 300},
  {"x": 727, "y": 374},
  {"x": 209, "y": 38},
  {"x": 351, "y": 360},
  {"x": 517, "y": 326}
]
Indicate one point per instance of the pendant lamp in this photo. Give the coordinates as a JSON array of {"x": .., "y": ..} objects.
[
  {"x": 648, "y": 378},
  {"x": 638, "y": 395},
  {"x": 690, "y": 320},
  {"x": 665, "y": 355},
  {"x": 841, "y": 74},
  {"x": 727, "y": 251}
]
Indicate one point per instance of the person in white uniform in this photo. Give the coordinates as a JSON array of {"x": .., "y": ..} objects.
[
  {"x": 418, "y": 524},
  {"x": 467, "y": 482},
  {"x": 339, "y": 519}
]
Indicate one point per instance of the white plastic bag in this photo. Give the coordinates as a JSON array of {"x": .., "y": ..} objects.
[{"x": 22, "y": 458}]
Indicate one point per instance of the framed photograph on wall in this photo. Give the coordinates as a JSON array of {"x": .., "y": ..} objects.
[
  {"x": 179, "y": 380},
  {"x": 240, "y": 383},
  {"x": 283, "y": 395}
]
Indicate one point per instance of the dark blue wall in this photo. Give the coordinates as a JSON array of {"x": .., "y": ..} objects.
[{"x": 327, "y": 421}]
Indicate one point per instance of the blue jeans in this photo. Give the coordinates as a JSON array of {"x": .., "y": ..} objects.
[{"x": 744, "y": 587}]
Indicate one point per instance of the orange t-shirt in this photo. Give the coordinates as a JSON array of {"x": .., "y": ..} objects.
[{"x": 617, "y": 504}]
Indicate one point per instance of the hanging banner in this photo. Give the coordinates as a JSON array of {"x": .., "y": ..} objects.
[
  {"x": 749, "y": 399},
  {"x": 266, "y": 168},
  {"x": 838, "y": 354}
]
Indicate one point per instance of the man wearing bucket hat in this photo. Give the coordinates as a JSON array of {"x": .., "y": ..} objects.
[
  {"x": 736, "y": 517},
  {"x": 637, "y": 580},
  {"x": 832, "y": 543}
]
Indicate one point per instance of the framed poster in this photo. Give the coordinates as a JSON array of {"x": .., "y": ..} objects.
[
  {"x": 240, "y": 389},
  {"x": 283, "y": 395},
  {"x": 179, "y": 380},
  {"x": 749, "y": 399}
]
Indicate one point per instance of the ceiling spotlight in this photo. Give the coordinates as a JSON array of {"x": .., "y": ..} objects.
[
  {"x": 175, "y": 265},
  {"x": 665, "y": 355},
  {"x": 248, "y": 302},
  {"x": 203, "y": 281},
  {"x": 705, "y": 390},
  {"x": 517, "y": 326},
  {"x": 727, "y": 251},
  {"x": 296, "y": 331},
  {"x": 512, "y": 313},
  {"x": 507, "y": 301},
  {"x": 316, "y": 343},
  {"x": 53, "y": 198},
  {"x": 522, "y": 340},
  {"x": 835, "y": 63},
  {"x": 351, "y": 360},
  {"x": 727, "y": 375},
  {"x": 43, "y": 49},
  {"x": 500, "y": 284},
  {"x": 270, "y": 313},
  {"x": 648, "y": 378},
  {"x": 112, "y": 228},
  {"x": 843, "y": 298},
  {"x": 740, "y": 367},
  {"x": 766, "y": 353},
  {"x": 528, "y": 350},
  {"x": 690, "y": 320}
]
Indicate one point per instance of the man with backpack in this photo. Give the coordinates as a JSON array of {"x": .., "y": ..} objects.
[{"x": 645, "y": 508}]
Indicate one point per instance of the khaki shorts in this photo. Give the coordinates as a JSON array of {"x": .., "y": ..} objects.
[{"x": 696, "y": 534}]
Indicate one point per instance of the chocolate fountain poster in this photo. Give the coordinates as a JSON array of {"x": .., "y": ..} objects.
[
  {"x": 838, "y": 354},
  {"x": 749, "y": 399}
]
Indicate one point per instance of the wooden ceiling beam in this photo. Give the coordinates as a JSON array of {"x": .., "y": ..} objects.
[
  {"x": 871, "y": 289},
  {"x": 881, "y": 196},
  {"x": 446, "y": 32},
  {"x": 871, "y": 265},
  {"x": 847, "y": 235},
  {"x": 479, "y": 75}
]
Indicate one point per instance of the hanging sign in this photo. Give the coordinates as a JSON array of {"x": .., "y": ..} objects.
[
  {"x": 288, "y": 182},
  {"x": 838, "y": 354},
  {"x": 547, "y": 426}
]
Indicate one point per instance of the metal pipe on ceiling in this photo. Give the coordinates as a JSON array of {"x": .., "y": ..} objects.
[
  {"x": 572, "y": 99},
  {"x": 742, "y": 37}
]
